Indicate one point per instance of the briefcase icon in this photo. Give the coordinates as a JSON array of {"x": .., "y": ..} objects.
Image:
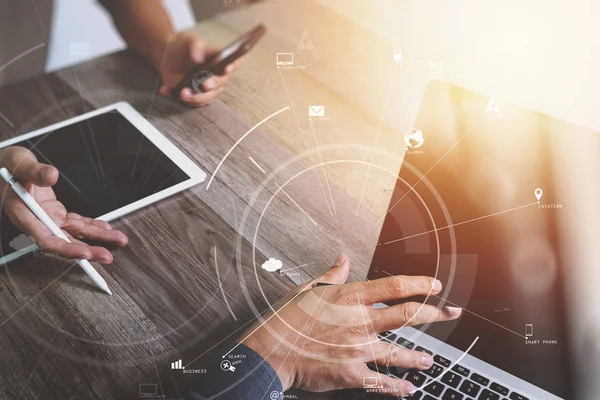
[{"x": 316, "y": 111}]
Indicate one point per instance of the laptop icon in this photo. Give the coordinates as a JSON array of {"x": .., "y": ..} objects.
[
  {"x": 285, "y": 58},
  {"x": 443, "y": 221},
  {"x": 148, "y": 391}
]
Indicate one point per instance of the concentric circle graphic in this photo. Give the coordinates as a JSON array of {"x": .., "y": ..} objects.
[
  {"x": 302, "y": 159},
  {"x": 247, "y": 231}
]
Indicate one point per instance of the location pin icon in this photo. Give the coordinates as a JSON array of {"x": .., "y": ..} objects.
[{"x": 538, "y": 193}]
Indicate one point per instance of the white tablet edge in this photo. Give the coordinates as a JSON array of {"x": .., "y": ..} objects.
[{"x": 196, "y": 174}]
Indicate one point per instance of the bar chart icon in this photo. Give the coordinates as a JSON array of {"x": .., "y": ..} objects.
[{"x": 177, "y": 365}]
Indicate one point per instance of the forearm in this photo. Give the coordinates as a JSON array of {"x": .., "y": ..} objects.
[{"x": 144, "y": 25}]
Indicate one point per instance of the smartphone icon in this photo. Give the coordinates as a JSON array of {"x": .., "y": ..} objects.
[{"x": 528, "y": 330}]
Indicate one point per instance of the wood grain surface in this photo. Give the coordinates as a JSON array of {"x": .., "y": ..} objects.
[{"x": 191, "y": 274}]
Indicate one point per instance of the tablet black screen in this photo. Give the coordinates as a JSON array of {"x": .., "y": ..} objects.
[{"x": 105, "y": 163}]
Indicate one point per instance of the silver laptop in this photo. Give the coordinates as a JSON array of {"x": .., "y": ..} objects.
[{"x": 478, "y": 205}]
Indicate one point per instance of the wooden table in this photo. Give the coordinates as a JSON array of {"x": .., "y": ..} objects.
[{"x": 187, "y": 279}]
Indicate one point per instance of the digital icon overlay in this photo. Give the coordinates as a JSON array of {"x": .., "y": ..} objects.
[
  {"x": 305, "y": 43},
  {"x": 226, "y": 366},
  {"x": 148, "y": 391},
  {"x": 285, "y": 58},
  {"x": 272, "y": 265},
  {"x": 414, "y": 138},
  {"x": 492, "y": 107},
  {"x": 529, "y": 330},
  {"x": 316, "y": 111}
]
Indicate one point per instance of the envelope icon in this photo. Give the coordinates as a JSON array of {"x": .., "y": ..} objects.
[{"x": 316, "y": 111}]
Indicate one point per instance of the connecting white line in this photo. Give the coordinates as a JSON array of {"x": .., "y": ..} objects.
[
  {"x": 459, "y": 223},
  {"x": 231, "y": 334},
  {"x": 488, "y": 320},
  {"x": 377, "y": 136},
  {"x": 297, "y": 205},
  {"x": 101, "y": 176},
  {"x": 434, "y": 165},
  {"x": 323, "y": 166},
  {"x": 40, "y": 292},
  {"x": 156, "y": 85},
  {"x": 240, "y": 140},
  {"x": 464, "y": 309},
  {"x": 304, "y": 138},
  {"x": 462, "y": 355},
  {"x": 23, "y": 54},
  {"x": 62, "y": 175},
  {"x": 221, "y": 284},
  {"x": 299, "y": 266},
  {"x": 381, "y": 191},
  {"x": 268, "y": 319},
  {"x": 6, "y": 120},
  {"x": 257, "y": 166},
  {"x": 3, "y": 67}
]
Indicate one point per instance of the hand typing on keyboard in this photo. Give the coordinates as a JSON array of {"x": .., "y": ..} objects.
[{"x": 322, "y": 337}]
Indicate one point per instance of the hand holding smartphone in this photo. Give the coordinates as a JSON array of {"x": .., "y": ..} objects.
[{"x": 217, "y": 64}]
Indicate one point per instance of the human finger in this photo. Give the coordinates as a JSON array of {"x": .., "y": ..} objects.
[
  {"x": 199, "y": 99},
  {"x": 82, "y": 229},
  {"x": 410, "y": 314},
  {"x": 210, "y": 50},
  {"x": 99, "y": 254},
  {"x": 22, "y": 217},
  {"x": 54, "y": 245},
  {"x": 97, "y": 222},
  {"x": 214, "y": 82},
  {"x": 166, "y": 91},
  {"x": 55, "y": 210},
  {"x": 338, "y": 273},
  {"x": 387, "y": 354},
  {"x": 198, "y": 49},
  {"x": 392, "y": 288},
  {"x": 234, "y": 66},
  {"x": 24, "y": 165}
]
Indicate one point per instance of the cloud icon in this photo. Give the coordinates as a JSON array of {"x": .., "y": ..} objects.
[
  {"x": 20, "y": 242},
  {"x": 272, "y": 265}
]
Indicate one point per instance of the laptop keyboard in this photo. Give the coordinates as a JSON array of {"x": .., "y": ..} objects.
[{"x": 457, "y": 383}]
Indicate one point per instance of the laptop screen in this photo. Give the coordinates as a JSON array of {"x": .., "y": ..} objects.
[{"x": 476, "y": 204}]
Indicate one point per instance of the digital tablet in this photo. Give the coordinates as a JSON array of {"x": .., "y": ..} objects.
[{"x": 112, "y": 161}]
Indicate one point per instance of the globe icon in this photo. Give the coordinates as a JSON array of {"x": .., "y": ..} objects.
[{"x": 414, "y": 138}]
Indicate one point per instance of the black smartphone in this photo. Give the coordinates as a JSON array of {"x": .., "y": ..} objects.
[{"x": 217, "y": 64}]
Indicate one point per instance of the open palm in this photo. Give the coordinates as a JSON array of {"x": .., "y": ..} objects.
[{"x": 38, "y": 180}]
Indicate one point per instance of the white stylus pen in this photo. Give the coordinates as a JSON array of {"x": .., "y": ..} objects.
[{"x": 52, "y": 227}]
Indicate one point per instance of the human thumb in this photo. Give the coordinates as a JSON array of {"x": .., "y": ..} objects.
[
  {"x": 338, "y": 273},
  {"x": 25, "y": 167}
]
